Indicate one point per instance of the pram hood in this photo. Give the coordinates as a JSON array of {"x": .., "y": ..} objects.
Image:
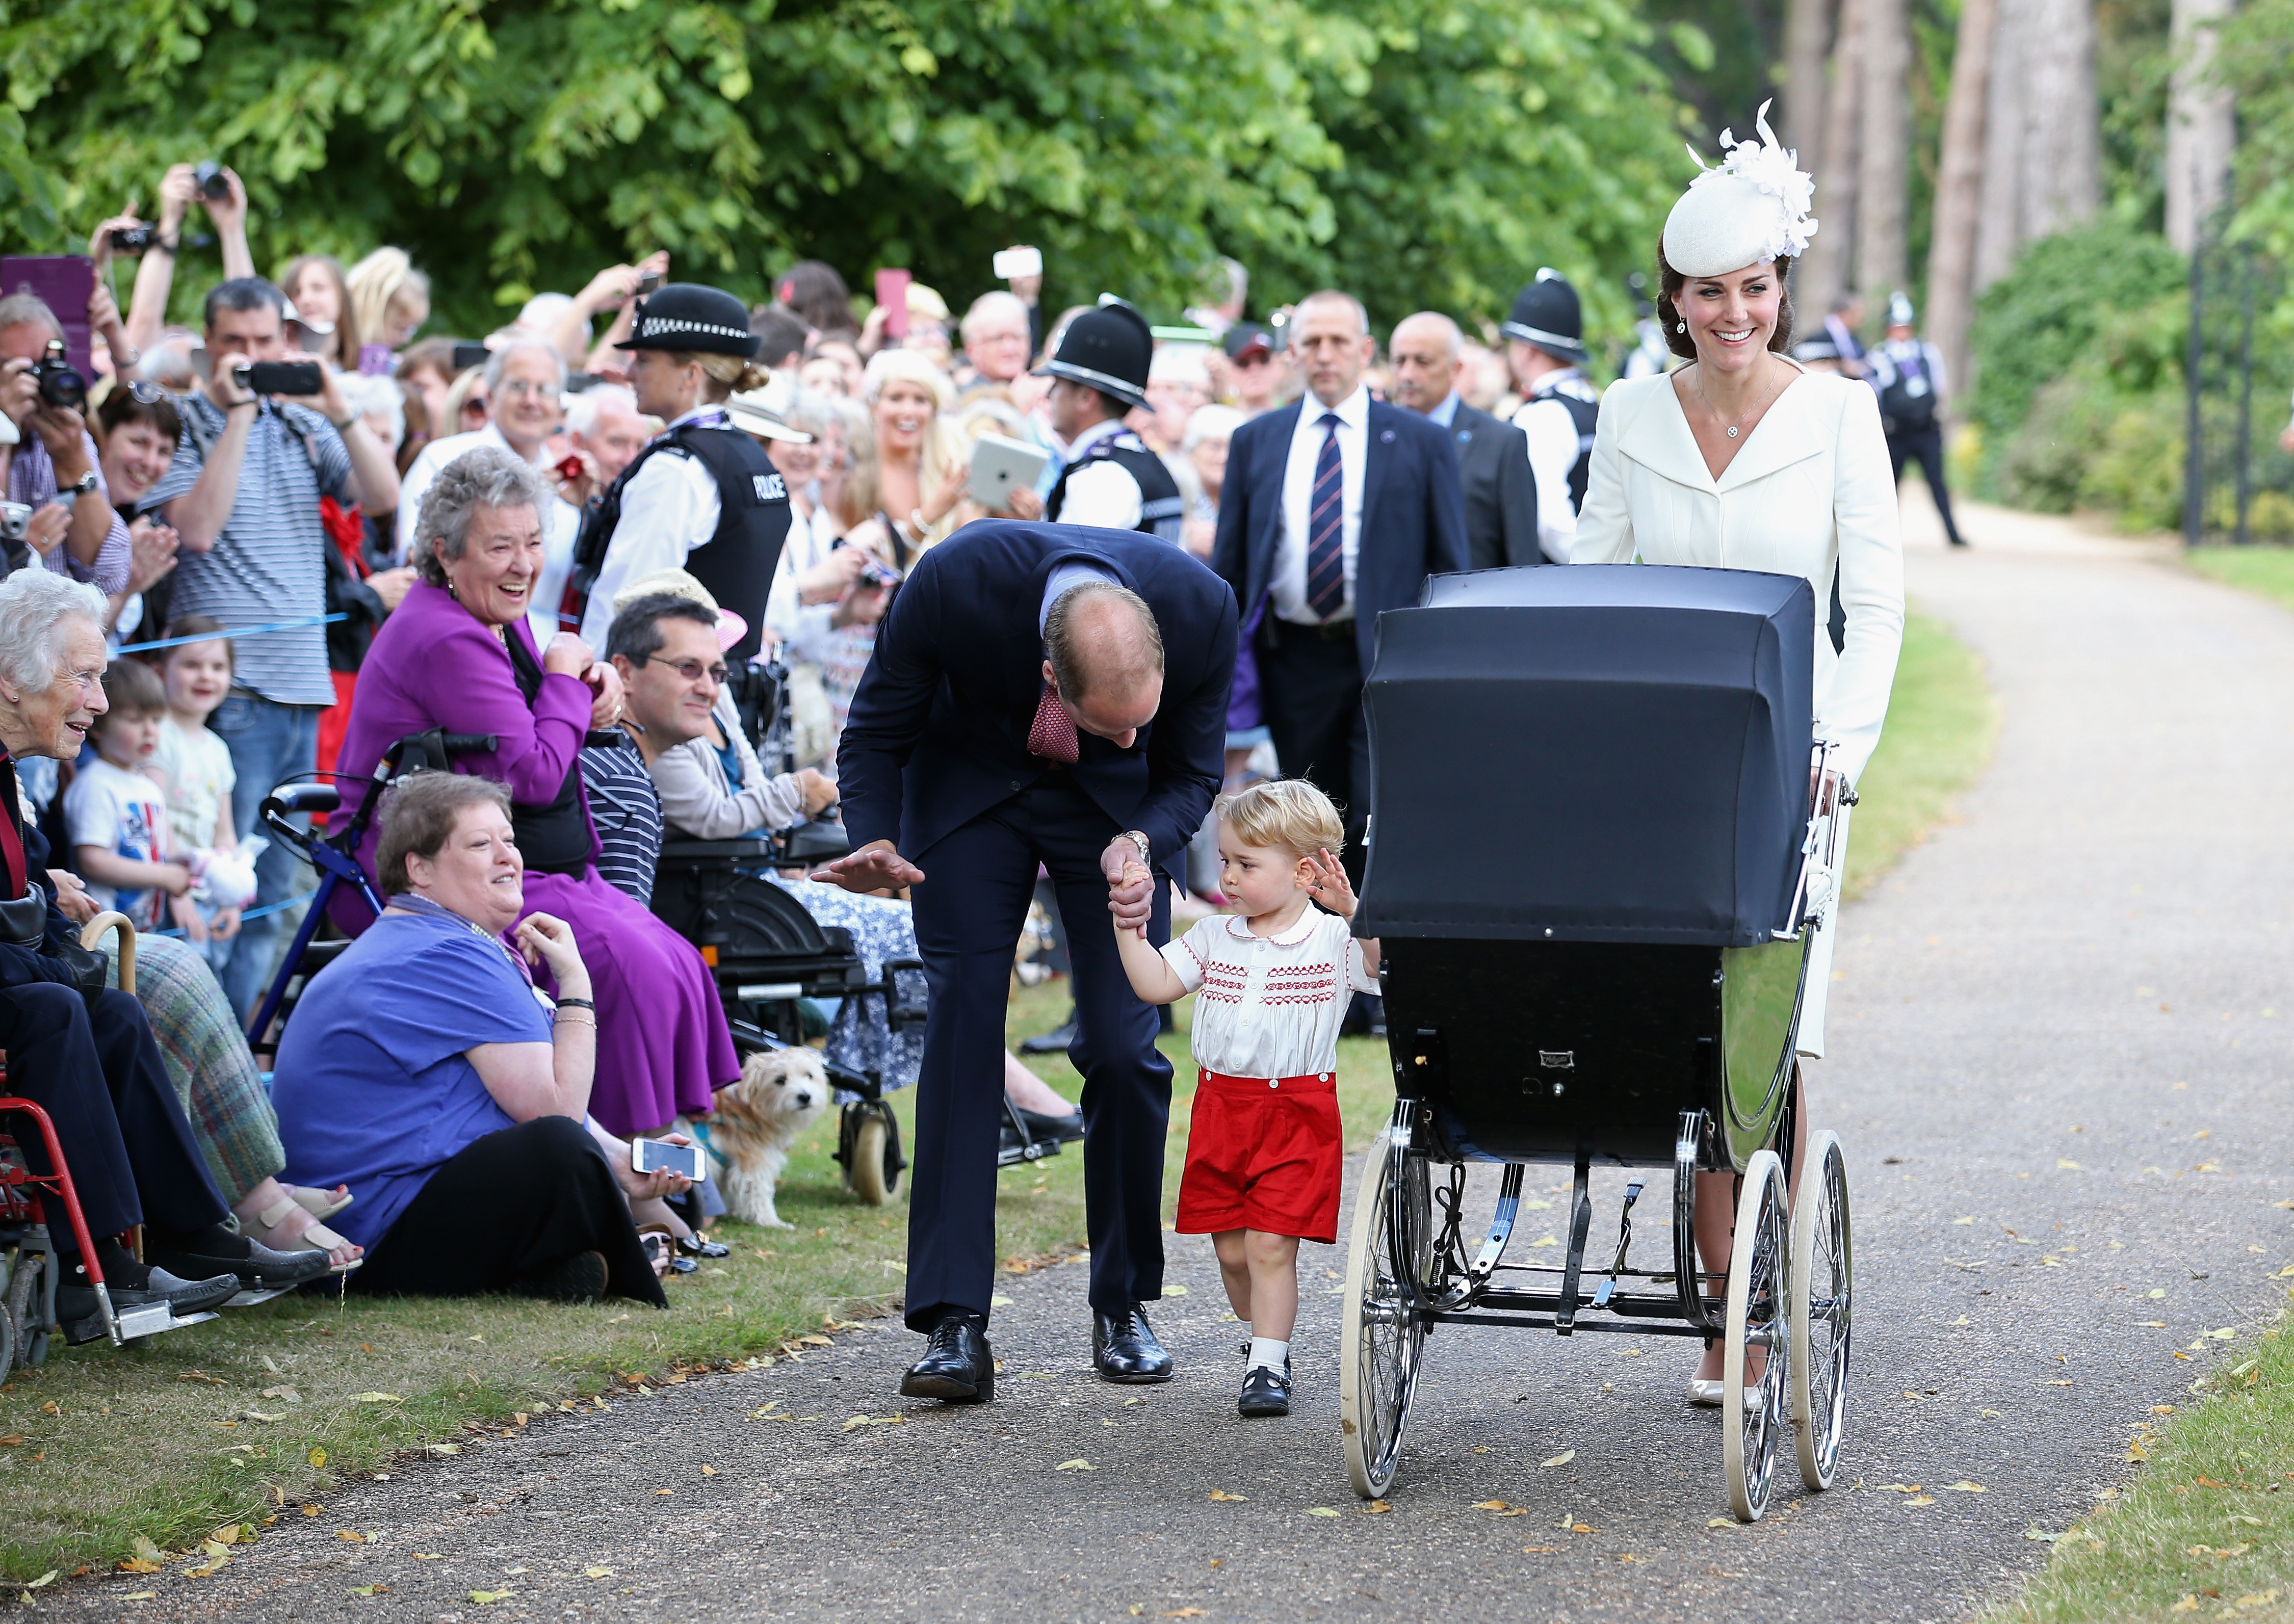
[{"x": 1597, "y": 754}]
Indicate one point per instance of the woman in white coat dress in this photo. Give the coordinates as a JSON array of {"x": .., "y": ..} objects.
[{"x": 1745, "y": 461}]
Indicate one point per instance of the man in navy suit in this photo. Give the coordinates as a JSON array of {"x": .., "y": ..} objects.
[
  {"x": 1335, "y": 509},
  {"x": 1040, "y": 693}
]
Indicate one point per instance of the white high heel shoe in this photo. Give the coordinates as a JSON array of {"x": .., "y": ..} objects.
[{"x": 1709, "y": 1395}]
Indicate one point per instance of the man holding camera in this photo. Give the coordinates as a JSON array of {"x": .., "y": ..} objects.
[
  {"x": 243, "y": 495},
  {"x": 51, "y": 459}
]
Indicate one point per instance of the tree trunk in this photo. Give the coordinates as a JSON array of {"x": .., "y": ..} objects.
[
  {"x": 2061, "y": 183},
  {"x": 1830, "y": 256},
  {"x": 1884, "y": 170},
  {"x": 2201, "y": 124},
  {"x": 1951, "y": 244},
  {"x": 2043, "y": 134},
  {"x": 1808, "y": 37}
]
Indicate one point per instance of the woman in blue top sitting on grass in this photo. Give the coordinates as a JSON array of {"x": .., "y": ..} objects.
[{"x": 423, "y": 1069}]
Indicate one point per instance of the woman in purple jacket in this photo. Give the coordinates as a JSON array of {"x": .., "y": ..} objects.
[{"x": 458, "y": 655}]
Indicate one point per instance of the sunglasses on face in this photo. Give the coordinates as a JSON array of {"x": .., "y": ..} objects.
[{"x": 1254, "y": 358}]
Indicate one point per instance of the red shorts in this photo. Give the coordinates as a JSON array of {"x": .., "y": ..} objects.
[{"x": 1263, "y": 1154}]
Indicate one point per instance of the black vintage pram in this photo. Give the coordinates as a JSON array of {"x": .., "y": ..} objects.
[{"x": 1597, "y": 861}]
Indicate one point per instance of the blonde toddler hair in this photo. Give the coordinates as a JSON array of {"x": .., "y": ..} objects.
[{"x": 1286, "y": 814}]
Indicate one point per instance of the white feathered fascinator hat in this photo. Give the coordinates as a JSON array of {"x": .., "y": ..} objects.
[{"x": 1753, "y": 207}]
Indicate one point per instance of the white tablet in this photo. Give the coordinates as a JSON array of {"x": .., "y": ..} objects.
[{"x": 1001, "y": 466}]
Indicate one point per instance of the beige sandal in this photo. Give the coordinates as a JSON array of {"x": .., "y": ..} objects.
[
  {"x": 320, "y": 1203},
  {"x": 316, "y": 1237}
]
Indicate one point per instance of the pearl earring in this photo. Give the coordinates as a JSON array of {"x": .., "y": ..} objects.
[{"x": 1681, "y": 327}]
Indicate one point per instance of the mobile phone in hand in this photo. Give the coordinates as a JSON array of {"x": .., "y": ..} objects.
[
  {"x": 892, "y": 295},
  {"x": 658, "y": 1155},
  {"x": 1011, "y": 264},
  {"x": 301, "y": 379}
]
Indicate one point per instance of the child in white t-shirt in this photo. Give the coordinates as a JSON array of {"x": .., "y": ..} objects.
[
  {"x": 115, "y": 814},
  {"x": 1273, "y": 982},
  {"x": 194, "y": 767}
]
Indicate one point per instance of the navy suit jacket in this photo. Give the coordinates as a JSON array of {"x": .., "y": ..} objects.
[
  {"x": 1413, "y": 518},
  {"x": 938, "y": 732}
]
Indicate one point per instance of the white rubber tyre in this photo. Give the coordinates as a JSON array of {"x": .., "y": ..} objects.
[
  {"x": 1823, "y": 1293},
  {"x": 1379, "y": 1341},
  {"x": 1759, "y": 1272},
  {"x": 871, "y": 1180}
]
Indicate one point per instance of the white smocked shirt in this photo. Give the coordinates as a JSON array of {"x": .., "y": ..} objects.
[{"x": 1270, "y": 1006}]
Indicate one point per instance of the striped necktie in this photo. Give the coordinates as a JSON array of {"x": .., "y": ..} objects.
[{"x": 1326, "y": 529}]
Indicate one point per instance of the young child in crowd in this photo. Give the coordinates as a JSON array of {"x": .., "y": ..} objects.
[
  {"x": 1273, "y": 981},
  {"x": 116, "y": 813},
  {"x": 193, "y": 767}
]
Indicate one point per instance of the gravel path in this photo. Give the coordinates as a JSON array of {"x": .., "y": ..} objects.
[{"x": 2058, "y": 1067}]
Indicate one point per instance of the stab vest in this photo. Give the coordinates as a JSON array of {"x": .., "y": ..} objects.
[
  {"x": 1162, "y": 509},
  {"x": 1907, "y": 405},
  {"x": 737, "y": 562},
  {"x": 1584, "y": 414}
]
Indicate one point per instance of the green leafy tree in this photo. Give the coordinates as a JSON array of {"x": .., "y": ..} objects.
[{"x": 1426, "y": 151}]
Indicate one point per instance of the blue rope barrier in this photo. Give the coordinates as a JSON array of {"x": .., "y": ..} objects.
[
  {"x": 268, "y": 907},
  {"x": 249, "y": 631}
]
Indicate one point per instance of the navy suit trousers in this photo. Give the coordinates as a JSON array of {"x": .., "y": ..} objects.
[{"x": 968, "y": 912}]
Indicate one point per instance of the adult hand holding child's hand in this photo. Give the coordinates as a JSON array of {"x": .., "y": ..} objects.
[{"x": 1130, "y": 885}]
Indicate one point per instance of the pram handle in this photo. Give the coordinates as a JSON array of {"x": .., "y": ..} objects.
[{"x": 1819, "y": 849}]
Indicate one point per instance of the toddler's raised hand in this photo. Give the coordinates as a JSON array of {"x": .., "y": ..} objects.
[{"x": 1330, "y": 887}]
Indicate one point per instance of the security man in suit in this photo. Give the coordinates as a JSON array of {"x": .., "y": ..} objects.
[
  {"x": 1335, "y": 506},
  {"x": 1112, "y": 480},
  {"x": 1428, "y": 352},
  {"x": 1545, "y": 347},
  {"x": 1040, "y": 693},
  {"x": 703, "y": 497}
]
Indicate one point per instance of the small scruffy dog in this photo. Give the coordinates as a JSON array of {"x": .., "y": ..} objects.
[{"x": 781, "y": 1093}]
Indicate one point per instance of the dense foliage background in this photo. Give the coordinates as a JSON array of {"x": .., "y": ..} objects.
[{"x": 1418, "y": 150}]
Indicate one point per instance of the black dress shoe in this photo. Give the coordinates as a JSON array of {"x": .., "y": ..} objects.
[
  {"x": 1265, "y": 1391},
  {"x": 1124, "y": 1347},
  {"x": 958, "y": 1366},
  {"x": 1054, "y": 1042}
]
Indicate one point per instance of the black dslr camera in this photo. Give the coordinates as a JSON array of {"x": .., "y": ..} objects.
[
  {"x": 213, "y": 183},
  {"x": 133, "y": 239},
  {"x": 60, "y": 383}
]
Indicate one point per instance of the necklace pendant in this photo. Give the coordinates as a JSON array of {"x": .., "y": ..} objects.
[{"x": 1732, "y": 433}]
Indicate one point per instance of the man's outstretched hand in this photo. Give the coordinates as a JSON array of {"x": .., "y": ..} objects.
[
  {"x": 874, "y": 867},
  {"x": 1130, "y": 885}
]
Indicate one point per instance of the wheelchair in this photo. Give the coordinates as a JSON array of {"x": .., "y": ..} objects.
[
  {"x": 1625, "y": 990},
  {"x": 30, "y": 1268}
]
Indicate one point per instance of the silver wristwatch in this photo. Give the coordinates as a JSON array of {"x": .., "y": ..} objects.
[{"x": 1146, "y": 851}]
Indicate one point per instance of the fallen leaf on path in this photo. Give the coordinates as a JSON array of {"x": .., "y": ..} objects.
[
  {"x": 1969, "y": 1219},
  {"x": 1720, "y": 1521},
  {"x": 1174, "y": 1291},
  {"x": 1320, "y": 1511},
  {"x": 1965, "y": 1487},
  {"x": 376, "y": 1398},
  {"x": 370, "y": 1590},
  {"x": 137, "y": 1565},
  {"x": 1076, "y": 1464},
  {"x": 1376, "y": 1507},
  {"x": 1185, "y": 1612},
  {"x": 318, "y": 1458},
  {"x": 1921, "y": 1499},
  {"x": 1900, "y": 1488},
  {"x": 429, "y": 1556},
  {"x": 598, "y": 1572},
  {"x": 487, "y": 1598},
  {"x": 2069, "y": 1166},
  {"x": 445, "y": 1448},
  {"x": 350, "y": 1536},
  {"x": 1562, "y": 1459},
  {"x": 999, "y": 1302},
  {"x": 1221, "y": 1494},
  {"x": 1489, "y": 1506},
  {"x": 141, "y": 1595}
]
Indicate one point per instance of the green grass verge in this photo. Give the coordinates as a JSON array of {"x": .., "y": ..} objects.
[
  {"x": 1942, "y": 722},
  {"x": 164, "y": 1442},
  {"x": 2266, "y": 571},
  {"x": 2205, "y": 1525}
]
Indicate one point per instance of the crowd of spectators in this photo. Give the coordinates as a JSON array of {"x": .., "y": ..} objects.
[{"x": 212, "y": 590}]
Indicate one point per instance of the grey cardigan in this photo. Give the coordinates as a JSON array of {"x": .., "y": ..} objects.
[{"x": 698, "y": 800}]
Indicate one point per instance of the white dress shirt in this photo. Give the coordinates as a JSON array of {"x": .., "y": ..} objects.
[
  {"x": 669, "y": 509},
  {"x": 1554, "y": 447},
  {"x": 560, "y": 527},
  {"x": 1270, "y": 1006},
  {"x": 1289, "y": 589},
  {"x": 1100, "y": 492}
]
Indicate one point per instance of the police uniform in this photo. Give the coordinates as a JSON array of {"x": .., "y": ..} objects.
[
  {"x": 702, "y": 497},
  {"x": 1111, "y": 481},
  {"x": 1908, "y": 375},
  {"x": 1561, "y": 410}
]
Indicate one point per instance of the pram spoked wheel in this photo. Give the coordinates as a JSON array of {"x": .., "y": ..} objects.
[
  {"x": 1760, "y": 1273},
  {"x": 1384, "y": 1332},
  {"x": 870, "y": 1151},
  {"x": 1823, "y": 1288}
]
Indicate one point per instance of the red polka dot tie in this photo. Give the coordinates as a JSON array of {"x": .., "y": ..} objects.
[{"x": 1052, "y": 736}]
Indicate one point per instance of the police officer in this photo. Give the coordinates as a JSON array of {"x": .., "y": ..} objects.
[
  {"x": 1112, "y": 480},
  {"x": 1545, "y": 347},
  {"x": 702, "y": 497},
  {"x": 1907, "y": 371}
]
